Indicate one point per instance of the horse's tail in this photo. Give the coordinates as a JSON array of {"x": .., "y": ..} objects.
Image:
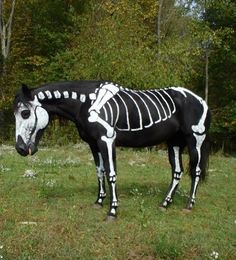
[{"x": 204, "y": 162}]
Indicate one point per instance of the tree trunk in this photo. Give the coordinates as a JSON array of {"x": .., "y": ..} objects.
[
  {"x": 6, "y": 29},
  {"x": 159, "y": 24},
  {"x": 5, "y": 33},
  {"x": 206, "y": 75}
]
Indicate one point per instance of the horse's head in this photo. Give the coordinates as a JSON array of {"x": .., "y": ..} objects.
[{"x": 31, "y": 120}]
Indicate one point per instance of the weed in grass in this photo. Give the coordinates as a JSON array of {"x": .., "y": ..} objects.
[{"x": 169, "y": 247}]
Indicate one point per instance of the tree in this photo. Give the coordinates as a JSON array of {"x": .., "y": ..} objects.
[
  {"x": 159, "y": 23},
  {"x": 6, "y": 28},
  {"x": 5, "y": 33}
]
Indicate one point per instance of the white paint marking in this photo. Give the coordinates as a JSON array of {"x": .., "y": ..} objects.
[
  {"x": 112, "y": 175},
  {"x": 24, "y": 127},
  {"x": 164, "y": 111},
  {"x": 158, "y": 111},
  {"x": 109, "y": 142},
  {"x": 110, "y": 130},
  {"x": 92, "y": 96},
  {"x": 114, "y": 201},
  {"x": 117, "y": 110},
  {"x": 82, "y": 98},
  {"x": 199, "y": 141},
  {"x": 41, "y": 96},
  {"x": 167, "y": 104},
  {"x": 74, "y": 95},
  {"x": 66, "y": 94},
  {"x": 200, "y": 128},
  {"x": 111, "y": 112},
  {"x": 49, "y": 94},
  {"x": 139, "y": 113},
  {"x": 162, "y": 119},
  {"x": 177, "y": 164},
  {"x": 105, "y": 112},
  {"x": 149, "y": 114},
  {"x": 94, "y": 117},
  {"x": 181, "y": 90},
  {"x": 57, "y": 94},
  {"x": 127, "y": 115},
  {"x": 113, "y": 211},
  {"x": 105, "y": 93},
  {"x": 171, "y": 99},
  {"x": 175, "y": 182}
]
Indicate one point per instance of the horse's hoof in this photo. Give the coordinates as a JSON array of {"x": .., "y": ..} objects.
[
  {"x": 187, "y": 210},
  {"x": 110, "y": 218},
  {"x": 97, "y": 206},
  {"x": 162, "y": 208}
]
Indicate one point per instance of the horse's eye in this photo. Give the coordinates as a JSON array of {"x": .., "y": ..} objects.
[{"x": 25, "y": 114}]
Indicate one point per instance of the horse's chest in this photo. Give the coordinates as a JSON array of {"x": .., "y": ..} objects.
[{"x": 137, "y": 111}]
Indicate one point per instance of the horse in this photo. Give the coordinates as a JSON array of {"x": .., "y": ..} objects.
[{"x": 109, "y": 115}]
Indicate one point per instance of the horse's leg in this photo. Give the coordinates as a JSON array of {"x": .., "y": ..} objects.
[
  {"x": 195, "y": 143},
  {"x": 175, "y": 160},
  {"x": 107, "y": 148},
  {"x": 100, "y": 175}
]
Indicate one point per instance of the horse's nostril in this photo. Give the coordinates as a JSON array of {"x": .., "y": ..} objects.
[
  {"x": 21, "y": 147},
  {"x": 21, "y": 150}
]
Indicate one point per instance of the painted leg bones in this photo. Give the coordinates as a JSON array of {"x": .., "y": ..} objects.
[
  {"x": 199, "y": 137},
  {"x": 101, "y": 181},
  {"x": 177, "y": 172},
  {"x": 111, "y": 177},
  {"x": 196, "y": 170},
  {"x": 105, "y": 93}
]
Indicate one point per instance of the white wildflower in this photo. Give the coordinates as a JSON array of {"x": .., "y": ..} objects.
[
  {"x": 131, "y": 162},
  {"x": 29, "y": 174},
  {"x": 214, "y": 255},
  {"x": 51, "y": 183},
  {"x": 4, "y": 169},
  {"x": 1, "y": 246}
]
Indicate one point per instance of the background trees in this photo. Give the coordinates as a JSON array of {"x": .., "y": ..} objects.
[{"x": 132, "y": 42}]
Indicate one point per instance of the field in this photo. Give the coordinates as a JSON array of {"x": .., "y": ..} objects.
[{"x": 46, "y": 208}]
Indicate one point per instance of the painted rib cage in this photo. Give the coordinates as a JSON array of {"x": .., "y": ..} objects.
[{"x": 131, "y": 110}]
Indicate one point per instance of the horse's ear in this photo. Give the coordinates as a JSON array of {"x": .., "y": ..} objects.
[{"x": 26, "y": 91}]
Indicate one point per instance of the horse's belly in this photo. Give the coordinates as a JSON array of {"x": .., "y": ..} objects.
[{"x": 147, "y": 137}]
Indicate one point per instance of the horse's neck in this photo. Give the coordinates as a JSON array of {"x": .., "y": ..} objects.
[{"x": 63, "y": 100}]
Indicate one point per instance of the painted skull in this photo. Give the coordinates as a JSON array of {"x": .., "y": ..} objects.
[{"x": 31, "y": 118}]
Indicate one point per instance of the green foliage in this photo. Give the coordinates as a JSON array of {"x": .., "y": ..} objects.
[
  {"x": 117, "y": 41},
  {"x": 115, "y": 44}
]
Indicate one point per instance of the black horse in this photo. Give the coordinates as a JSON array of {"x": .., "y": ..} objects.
[{"x": 108, "y": 115}]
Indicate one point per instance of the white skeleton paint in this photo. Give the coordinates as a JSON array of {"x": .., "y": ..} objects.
[
  {"x": 113, "y": 108},
  {"x": 37, "y": 120},
  {"x": 199, "y": 135},
  {"x": 109, "y": 92},
  {"x": 100, "y": 174},
  {"x": 176, "y": 176}
]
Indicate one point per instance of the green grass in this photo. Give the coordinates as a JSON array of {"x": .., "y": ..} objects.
[{"x": 65, "y": 226}]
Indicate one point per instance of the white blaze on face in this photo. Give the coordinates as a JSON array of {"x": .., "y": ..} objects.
[{"x": 29, "y": 120}]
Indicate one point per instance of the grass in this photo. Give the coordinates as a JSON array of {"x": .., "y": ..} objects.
[{"x": 50, "y": 216}]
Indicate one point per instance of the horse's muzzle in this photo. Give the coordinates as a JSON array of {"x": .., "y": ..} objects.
[{"x": 24, "y": 149}]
